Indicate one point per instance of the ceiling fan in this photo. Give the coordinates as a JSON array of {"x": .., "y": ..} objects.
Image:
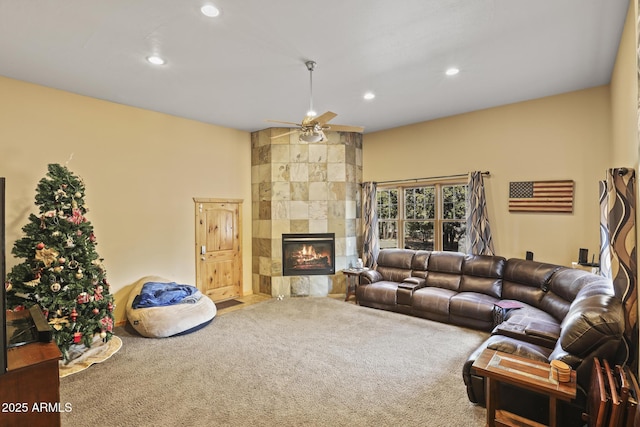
[{"x": 313, "y": 126}]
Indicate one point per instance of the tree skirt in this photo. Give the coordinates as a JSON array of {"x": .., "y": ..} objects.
[{"x": 83, "y": 357}]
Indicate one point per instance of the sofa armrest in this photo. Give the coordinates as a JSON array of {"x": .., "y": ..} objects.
[
  {"x": 412, "y": 283},
  {"x": 370, "y": 276}
]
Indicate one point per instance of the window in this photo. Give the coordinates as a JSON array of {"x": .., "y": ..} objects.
[{"x": 428, "y": 217}]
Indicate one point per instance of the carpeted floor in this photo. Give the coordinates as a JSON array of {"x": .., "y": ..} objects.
[{"x": 296, "y": 362}]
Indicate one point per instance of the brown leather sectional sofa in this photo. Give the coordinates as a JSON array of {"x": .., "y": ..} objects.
[{"x": 566, "y": 314}]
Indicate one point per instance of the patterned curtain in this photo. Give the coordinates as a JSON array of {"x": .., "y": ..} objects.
[
  {"x": 479, "y": 240},
  {"x": 605, "y": 253},
  {"x": 370, "y": 224},
  {"x": 620, "y": 220}
]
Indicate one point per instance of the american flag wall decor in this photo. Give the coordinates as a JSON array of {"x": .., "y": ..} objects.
[{"x": 541, "y": 196}]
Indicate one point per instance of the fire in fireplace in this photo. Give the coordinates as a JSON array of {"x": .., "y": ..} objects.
[{"x": 308, "y": 254}]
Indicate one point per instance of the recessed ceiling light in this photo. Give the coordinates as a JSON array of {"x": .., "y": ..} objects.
[
  {"x": 369, "y": 95},
  {"x": 452, "y": 71},
  {"x": 210, "y": 10},
  {"x": 155, "y": 60}
]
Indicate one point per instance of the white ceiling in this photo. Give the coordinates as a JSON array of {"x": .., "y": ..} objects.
[{"x": 247, "y": 65}]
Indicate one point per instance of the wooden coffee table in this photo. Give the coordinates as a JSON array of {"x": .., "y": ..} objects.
[{"x": 498, "y": 367}]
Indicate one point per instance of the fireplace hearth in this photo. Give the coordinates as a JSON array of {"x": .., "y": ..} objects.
[{"x": 308, "y": 254}]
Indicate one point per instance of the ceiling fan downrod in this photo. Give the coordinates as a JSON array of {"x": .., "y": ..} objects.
[{"x": 311, "y": 65}]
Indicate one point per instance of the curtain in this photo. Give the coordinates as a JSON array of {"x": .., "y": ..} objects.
[
  {"x": 479, "y": 240},
  {"x": 605, "y": 254},
  {"x": 621, "y": 261},
  {"x": 370, "y": 224}
]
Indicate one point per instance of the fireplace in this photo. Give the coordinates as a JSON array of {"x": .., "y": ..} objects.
[{"x": 308, "y": 254}]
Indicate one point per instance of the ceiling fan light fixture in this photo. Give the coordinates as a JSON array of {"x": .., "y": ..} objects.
[
  {"x": 311, "y": 113},
  {"x": 369, "y": 96},
  {"x": 311, "y": 137}
]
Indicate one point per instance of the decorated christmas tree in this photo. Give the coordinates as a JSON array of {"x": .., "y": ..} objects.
[{"x": 62, "y": 271}]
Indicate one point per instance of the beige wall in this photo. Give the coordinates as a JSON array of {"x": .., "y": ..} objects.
[
  {"x": 559, "y": 137},
  {"x": 624, "y": 98},
  {"x": 141, "y": 170}
]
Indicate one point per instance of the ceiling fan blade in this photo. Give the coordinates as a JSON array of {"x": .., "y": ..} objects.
[
  {"x": 280, "y": 121},
  {"x": 345, "y": 128},
  {"x": 324, "y": 118},
  {"x": 285, "y": 134}
]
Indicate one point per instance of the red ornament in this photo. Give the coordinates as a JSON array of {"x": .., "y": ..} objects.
[
  {"x": 77, "y": 337},
  {"x": 74, "y": 315},
  {"x": 83, "y": 298},
  {"x": 95, "y": 311},
  {"x": 110, "y": 307},
  {"x": 107, "y": 323},
  {"x": 40, "y": 245}
]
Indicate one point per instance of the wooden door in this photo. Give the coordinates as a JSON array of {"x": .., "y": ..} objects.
[{"x": 218, "y": 251}]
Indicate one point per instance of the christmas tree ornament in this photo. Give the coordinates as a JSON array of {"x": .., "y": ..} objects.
[
  {"x": 79, "y": 275},
  {"x": 95, "y": 311},
  {"x": 40, "y": 246},
  {"x": 73, "y": 315},
  {"x": 58, "y": 269},
  {"x": 103, "y": 334},
  {"x": 55, "y": 287},
  {"x": 62, "y": 260},
  {"x": 77, "y": 337},
  {"x": 46, "y": 256},
  {"x": 32, "y": 283},
  {"x": 83, "y": 298},
  {"x": 8, "y": 286}
]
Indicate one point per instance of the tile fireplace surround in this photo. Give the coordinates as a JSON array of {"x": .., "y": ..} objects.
[{"x": 300, "y": 187}]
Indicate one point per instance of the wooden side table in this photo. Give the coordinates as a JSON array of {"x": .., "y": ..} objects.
[
  {"x": 30, "y": 389},
  {"x": 353, "y": 280},
  {"x": 528, "y": 374}
]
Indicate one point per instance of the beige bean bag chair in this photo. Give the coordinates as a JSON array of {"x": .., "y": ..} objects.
[{"x": 169, "y": 320}]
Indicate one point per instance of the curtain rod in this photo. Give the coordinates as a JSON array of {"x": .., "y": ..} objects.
[{"x": 397, "y": 181}]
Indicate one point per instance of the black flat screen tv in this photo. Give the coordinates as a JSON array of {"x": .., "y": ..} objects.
[{"x": 3, "y": 293}]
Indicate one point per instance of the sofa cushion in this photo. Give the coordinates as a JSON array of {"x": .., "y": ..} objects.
[
  {"x": 483, "y": 274},
  {"x": 531, "y": 325},
  {"x": 383, "y": 292},
  {"x": 445, "y": 270},
  {"x": 472, "y": 309},
  {"x": 434, "y": 300},
  {"x": 590, "y": 322},
  {"x": 517, "y": 347},
  {"x": 420, "y": 263},
  {"x": 530, "y": 273},
  {"x": 568, "y": 282},
  {"x": 484, "y": 266},
  {"x": 446, "y": 262},
  {"x": 395, "y": 264},
  {"x": 397, "y": 258}
]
